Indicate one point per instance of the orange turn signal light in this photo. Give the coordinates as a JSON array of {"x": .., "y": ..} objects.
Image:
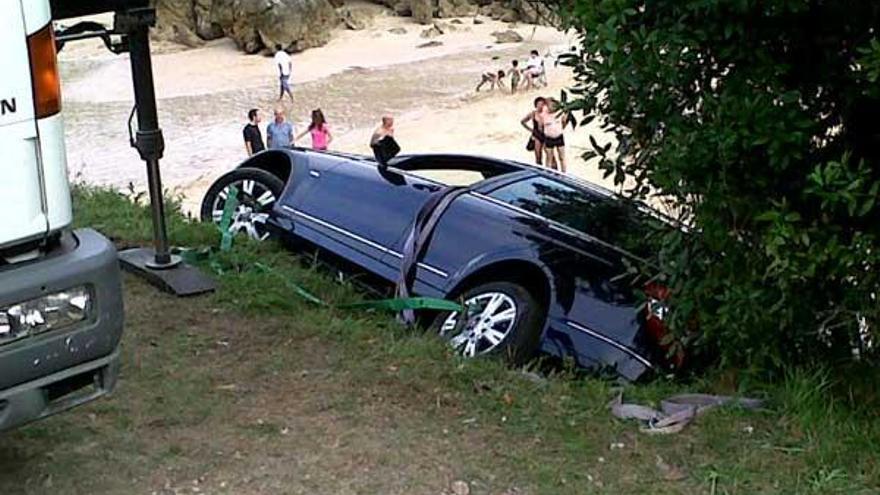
[{"x": 44, "y": 72}]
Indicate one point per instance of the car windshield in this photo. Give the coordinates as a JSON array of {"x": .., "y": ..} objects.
[{"x": 608, "y": 218}]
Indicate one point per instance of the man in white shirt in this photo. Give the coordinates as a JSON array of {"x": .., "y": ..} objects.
[
  {"x": 535, "y": 70},
  {"x": 285, "y": 67}
]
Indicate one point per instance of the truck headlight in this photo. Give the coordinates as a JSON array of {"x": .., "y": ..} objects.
[{"x": 50, "y": 312}]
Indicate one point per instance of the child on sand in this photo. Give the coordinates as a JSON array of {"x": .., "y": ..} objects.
[
  {"x": 320, "y": 132},
  {"x": 493, "y": 78},
  {"x": 515, "y": 76}
]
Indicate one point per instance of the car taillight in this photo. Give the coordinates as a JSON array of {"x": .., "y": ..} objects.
[
  {"x": 656, "y": 310},
  {"x": 44, "y": 72}
]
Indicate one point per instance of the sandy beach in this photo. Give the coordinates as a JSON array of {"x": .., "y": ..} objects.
[{"x": 204, "y": 95}]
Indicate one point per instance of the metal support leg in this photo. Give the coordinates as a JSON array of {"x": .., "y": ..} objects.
[
  {"x": 149, "y": 141},
  {"x": 158, "y": 265}
]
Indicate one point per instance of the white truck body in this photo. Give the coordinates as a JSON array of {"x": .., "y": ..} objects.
[
  {"x": 34, "y": 182},
  {"x": 61, "y": 313}
]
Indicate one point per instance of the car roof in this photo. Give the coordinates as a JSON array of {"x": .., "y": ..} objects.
[
  {"x": 505, "y": 165},
  {"x": 511, "y": 167}
]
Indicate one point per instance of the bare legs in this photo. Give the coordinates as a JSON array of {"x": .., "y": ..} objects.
[
  {"x": 556, "y": 158},
  {"x": 550, "y": 159}
]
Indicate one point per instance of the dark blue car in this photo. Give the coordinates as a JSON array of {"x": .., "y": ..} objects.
[{"x": 541, "y": 260}]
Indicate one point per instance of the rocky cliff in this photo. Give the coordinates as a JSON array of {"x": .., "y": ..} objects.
[
  {"x": 255, "y": 25},
  {"x": 258, "y": 25}
]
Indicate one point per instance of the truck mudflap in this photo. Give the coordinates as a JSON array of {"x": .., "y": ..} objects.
[{"x": 58, "y": 369}]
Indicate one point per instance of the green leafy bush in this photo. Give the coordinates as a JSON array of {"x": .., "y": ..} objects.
[{"x": 758, "y": 123}]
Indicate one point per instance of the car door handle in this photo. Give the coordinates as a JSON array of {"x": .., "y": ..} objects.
[{"x": 315, "y": 174}]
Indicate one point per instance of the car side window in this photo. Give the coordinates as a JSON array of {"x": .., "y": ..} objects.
[
  {"x": 550, "y": 199},
  {"x": 611, "y": 220}
]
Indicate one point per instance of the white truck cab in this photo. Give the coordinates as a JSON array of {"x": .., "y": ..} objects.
[
  {"x": 61, "y": 312},
  {"x": 34, "y": 176}
]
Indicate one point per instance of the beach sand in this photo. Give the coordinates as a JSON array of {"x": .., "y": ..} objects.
[{"x": 204, "y": 95}]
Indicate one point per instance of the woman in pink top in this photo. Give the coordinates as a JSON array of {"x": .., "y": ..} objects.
[{"x": 319, "y": 130}]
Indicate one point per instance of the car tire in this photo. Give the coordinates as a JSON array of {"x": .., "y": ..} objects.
[
  {"x": 519, "y": 342},
  {"x": 258, "y": 191}
]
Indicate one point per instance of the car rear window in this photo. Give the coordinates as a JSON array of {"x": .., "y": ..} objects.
[{"x": 608, "y": 218}]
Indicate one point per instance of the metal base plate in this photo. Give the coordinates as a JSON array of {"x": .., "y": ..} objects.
[{"x": 181, "y": 280}]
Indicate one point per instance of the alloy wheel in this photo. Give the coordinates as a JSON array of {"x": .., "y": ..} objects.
[
  {"x": 490, "y": 318},
  {"x": 255, "y": 200}
]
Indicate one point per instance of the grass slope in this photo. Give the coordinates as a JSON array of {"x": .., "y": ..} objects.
[{"x": 253, "y": 390}]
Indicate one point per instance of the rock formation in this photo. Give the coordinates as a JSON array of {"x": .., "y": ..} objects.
[
  {"x": 254, "y": 25},
  {"x": 258, "y": 25}
]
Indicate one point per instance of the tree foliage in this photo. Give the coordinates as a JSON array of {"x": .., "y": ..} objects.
[{"x": 758, "y": 122}]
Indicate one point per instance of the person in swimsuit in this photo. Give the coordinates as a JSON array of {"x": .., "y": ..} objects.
[
  {"x": 554, "y": 139},
  {"x": 536, "y": 129},
  {"x": 319, "y": 131}
]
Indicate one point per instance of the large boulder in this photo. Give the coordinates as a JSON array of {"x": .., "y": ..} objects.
[
  {"x": 454, "y": 8},
  {"x": 422, "y": 11},
  {"x": 177, "y": 23},
  {"x": 535, "y": 13},
  {"x": 293, "y": 24},
  {"x": 254, "y": 25},
  {"x": 353, "y": 19},
  {"x": 508, "y": 36},
  {"x": 207, "y": 19}
]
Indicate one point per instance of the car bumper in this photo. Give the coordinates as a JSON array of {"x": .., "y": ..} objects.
[{"x": 44, "y": 374}]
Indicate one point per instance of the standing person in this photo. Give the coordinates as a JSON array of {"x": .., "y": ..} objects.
[
  {"x": 319, "y": 131},
  {"x": 533, "y": 123},
  {"x": 515, "y": 75},
  {"x": 385, "y": 129},
  {"x": 554, "y": 140},
  {"x": 279, "y": 133},
  {"x": 253, "y": 138},
  {"x": 382, "y": 142},
  {"x": 285, "y": 67}
]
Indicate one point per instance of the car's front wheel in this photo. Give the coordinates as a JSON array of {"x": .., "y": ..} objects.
[
  {"x": 256, "y": 192},
  {"x": 501, "y": 318}
]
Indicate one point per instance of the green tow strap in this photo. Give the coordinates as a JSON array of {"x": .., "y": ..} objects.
[
  {"x": 394, "y": 305},
  {"x": 402, "y": 303},
  {"x": 228, "y": 210}
]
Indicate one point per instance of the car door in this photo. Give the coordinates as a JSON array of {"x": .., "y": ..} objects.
[
  {"x": 469, "y": 231},
  {"x": 359, "y": 211}
]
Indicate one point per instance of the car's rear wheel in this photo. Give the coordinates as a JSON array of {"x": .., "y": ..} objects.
[
  {"x": 502, "y": 318},
  {"x": 256, "y": 191}
]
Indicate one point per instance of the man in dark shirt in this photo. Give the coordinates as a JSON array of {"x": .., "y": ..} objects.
[{"x": 253, "y": 138}]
